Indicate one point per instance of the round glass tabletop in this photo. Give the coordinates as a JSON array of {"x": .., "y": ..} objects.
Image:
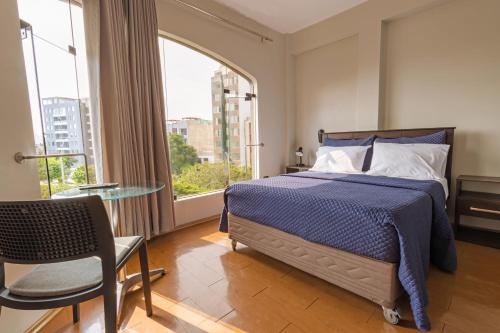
[{"x": 116, "y": 193}]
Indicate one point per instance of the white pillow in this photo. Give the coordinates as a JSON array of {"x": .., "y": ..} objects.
[
  {"x": 340, "y": 159},
  {"x": 420, "y": 161}
]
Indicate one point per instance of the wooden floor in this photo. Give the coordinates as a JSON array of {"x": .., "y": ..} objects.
[{"x": 210, "y": 288}]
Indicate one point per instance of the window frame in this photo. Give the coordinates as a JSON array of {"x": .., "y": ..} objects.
[{"x": 253, "y": 89}]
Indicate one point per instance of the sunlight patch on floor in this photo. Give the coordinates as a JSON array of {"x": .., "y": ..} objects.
[{"x": 182, "y": 312}]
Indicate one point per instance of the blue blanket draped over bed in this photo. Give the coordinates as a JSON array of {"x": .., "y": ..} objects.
[{"x": 384, "y": 218}]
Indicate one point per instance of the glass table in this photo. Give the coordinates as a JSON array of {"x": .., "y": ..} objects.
[{"x": 114, "y": 195}]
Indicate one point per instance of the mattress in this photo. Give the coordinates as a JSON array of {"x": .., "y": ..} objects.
[
  {"x": 349, "y": 216},
  {"x": 389, "y": 219},
  {"x": 372, "y": 279}
]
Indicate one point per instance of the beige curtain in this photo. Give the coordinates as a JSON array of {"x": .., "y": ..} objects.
[{"x": 127, "y": 99}]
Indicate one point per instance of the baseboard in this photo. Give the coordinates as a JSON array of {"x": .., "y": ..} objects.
[
  {"x": 44, "y": 320},
  {"x": 190, "y": 224}
]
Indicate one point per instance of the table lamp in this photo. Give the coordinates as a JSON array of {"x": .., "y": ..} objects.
[{"x": 299, "y": 153}]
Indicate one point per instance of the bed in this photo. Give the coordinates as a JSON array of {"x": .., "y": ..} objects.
[{"x": 373, "y": 236}]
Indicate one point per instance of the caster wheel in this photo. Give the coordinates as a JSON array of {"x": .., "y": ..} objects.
[
  {"x": 233, "y": 244},
  {"x": 392, "y": 316}
]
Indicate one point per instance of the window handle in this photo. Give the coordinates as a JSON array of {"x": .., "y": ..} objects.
[{"x": 256, "y": 145}]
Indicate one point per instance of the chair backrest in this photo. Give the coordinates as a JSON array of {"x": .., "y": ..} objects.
[{"x": 45, "y": 231}]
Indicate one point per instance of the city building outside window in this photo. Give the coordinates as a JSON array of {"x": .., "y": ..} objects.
[
  {"x": 53, "y": 40},
  {"x": 208, "y": 129}
]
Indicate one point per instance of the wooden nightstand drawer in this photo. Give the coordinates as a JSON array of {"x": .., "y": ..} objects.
[
  {"x": 477, "y": 204},
  {"x": 478, "y": 209},
  {"x": 485, "y": 205}
]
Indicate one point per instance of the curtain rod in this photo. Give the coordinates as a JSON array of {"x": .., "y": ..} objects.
[{"x": 221, "y": 19}]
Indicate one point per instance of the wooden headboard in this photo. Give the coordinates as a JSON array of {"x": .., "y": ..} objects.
[{"x": 397, "y": 133}]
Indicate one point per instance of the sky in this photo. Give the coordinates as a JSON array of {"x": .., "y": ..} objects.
[
  {"x": 188, "y": 80},
  {"x": 50, "y": 20},
  {"x": 187, "y": 73}
]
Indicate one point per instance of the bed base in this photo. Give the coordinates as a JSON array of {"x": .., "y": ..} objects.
[{"x": 370, "y": 278}]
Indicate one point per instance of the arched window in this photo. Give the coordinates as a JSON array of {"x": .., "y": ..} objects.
[{"x": 210, "y": 120}]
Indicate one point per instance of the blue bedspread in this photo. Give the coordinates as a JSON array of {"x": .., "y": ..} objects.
[{"x": 390, "y": 219}]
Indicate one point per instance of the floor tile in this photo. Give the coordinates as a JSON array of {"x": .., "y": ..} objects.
[{"x": 210, "y": 288}]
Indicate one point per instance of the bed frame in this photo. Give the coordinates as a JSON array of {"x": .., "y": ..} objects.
[{"x": 370, "y": 278}]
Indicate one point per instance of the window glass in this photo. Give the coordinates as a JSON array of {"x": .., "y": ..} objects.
[
  {"x": 55, "y": 58},
  {"x": 209, "y": 129}
]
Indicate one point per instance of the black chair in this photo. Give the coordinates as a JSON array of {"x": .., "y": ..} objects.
[{"x": 77, "y": 257}]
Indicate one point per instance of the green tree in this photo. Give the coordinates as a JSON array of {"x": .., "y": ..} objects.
[
  {"x": 44, "y": 190},
  {"x": 55, "y": 187},
  {"x": 182, "y": 155},
  {"x": 238, "y": 174},
  {"x": 68, "y": 163},
  {"x": 207, "y": 177},
  {"x": 79, "y": 176},
  {"x": 182, "y": 188},
  {"x": 92, "y": 176},
  {"x": 42, "y": 171},
  {"x": 55, "y": 171}
]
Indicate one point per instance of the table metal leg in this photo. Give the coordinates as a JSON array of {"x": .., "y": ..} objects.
[
  {"x": 126, "y": 282},
  {"x": 122, "y": 287}
]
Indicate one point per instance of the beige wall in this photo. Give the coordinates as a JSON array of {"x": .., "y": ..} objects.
[
  {"x": 325, "y": 94},
  {"x": 443, "y": 69},
  {"x": 16, "y": 181},
  {"x": 419, "y": 64},
  {"x": 365, "y": 21}
]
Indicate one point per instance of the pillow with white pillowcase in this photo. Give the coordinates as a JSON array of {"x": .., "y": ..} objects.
[
  {"x": 421, "y": 161},
  {"x": 340, "y": 159}
]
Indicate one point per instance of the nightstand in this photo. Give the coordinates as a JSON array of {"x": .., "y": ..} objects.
[
  {"x": 294, "y": 168},
  {"x": 477, "y": 204}
]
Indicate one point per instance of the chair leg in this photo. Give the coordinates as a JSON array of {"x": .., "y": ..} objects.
[
  {"x": 110, "y": 311},
  {"x": 146, "y": 284},
  {"x": 76, "y": 313}
]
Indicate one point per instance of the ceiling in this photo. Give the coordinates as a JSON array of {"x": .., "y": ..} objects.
[{"x": 288, "y": 16}]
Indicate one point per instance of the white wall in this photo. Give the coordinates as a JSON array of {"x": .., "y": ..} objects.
[
  {"x": 443, "y": 69},
  {"x": 198, "y": 208},
  {"x": 420, "y": 63},
  {"x": 325, "y": 94},
  {"x": 16, "y": 181},
  {"x": 365, "y": 21}
]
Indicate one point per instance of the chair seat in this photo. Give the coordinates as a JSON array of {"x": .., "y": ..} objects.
[{"x": 68, "y": 277}]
